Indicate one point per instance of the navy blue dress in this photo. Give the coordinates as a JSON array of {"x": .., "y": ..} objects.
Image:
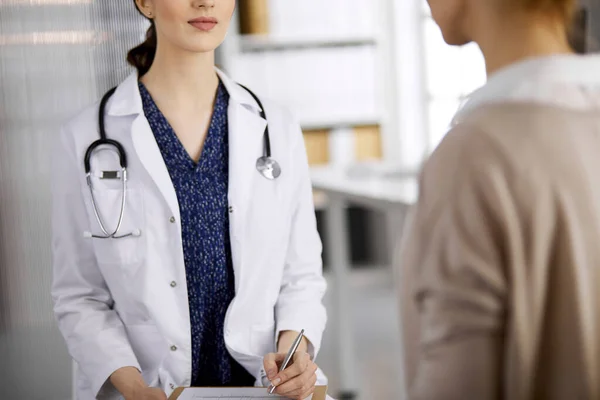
[{"x": 202, "y": 194}]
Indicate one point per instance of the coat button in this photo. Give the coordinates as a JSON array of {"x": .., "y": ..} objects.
[
  {"x": 230, "y": 209},
  {"x": 172, "y": 219},
  {"x": 173, "y": 284},
  {"x": 173, "y": 348}
]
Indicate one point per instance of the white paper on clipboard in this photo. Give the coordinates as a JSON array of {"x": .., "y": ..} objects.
[
  {"x": 238, "y": 394},
  {"x": 227, "y": 394}
]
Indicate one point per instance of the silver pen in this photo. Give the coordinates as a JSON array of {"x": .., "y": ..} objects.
[{"x": 289, "y": 356}]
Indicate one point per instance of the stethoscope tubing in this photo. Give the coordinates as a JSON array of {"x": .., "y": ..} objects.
[{"x": 270, "y": 173}]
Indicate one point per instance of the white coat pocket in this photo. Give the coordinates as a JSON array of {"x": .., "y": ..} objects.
[{"x": 124, "y": 250}]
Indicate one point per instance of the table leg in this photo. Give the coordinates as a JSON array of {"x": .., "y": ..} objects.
[
  {"x": 339, "y": 256},
  {"x": 395, "y": 219}
]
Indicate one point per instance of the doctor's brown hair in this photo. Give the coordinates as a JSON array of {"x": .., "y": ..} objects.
[{"x": 142, "y": 56}]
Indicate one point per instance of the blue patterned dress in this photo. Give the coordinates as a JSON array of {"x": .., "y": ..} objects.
[{"x": 202, "y": 194}]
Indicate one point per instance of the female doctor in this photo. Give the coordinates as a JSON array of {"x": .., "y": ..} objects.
[{"x": 185, "y": 245}]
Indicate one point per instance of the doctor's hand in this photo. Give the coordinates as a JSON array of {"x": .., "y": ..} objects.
[
  {"x": 298, "y": 380},
  {"x": 129, "y": 382},
  {"x": 149, "y": 394}
]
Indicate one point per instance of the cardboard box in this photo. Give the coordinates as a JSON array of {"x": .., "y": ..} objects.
[{"x": 254, "y": 17}]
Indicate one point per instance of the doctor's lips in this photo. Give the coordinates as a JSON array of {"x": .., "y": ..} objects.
[{"x": 205, "y": 24}]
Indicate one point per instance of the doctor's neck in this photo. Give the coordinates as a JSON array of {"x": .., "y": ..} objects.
[
  {"x": 505, "y": 41},
  {"x": 185, "y": 78}
]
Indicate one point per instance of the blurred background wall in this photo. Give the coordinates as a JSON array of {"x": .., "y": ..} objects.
[{"x": 369, "y": 81}]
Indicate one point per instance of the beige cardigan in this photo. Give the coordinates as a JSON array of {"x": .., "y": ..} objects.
[{"x": 500, "y": 265}]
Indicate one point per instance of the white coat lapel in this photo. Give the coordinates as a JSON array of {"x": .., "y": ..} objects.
[
  {"x": 151, "y": 157},
  {"x": 127, "y": 101},
  {"x": 246, "y": 129}
]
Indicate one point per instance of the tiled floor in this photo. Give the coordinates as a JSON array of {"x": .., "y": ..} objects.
[{"x": 376, "y": 333}]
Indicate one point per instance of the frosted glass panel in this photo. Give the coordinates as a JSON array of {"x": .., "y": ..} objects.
[{"x": 55, "y": 58}]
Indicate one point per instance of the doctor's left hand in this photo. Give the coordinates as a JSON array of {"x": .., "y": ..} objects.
[{"x": 298, "y": 380}]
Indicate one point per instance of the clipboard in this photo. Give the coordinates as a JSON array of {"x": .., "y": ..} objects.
[{"x": 320, "y": 393}]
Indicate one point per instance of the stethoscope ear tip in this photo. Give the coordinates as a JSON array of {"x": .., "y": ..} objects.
[
  {"x": 137, "y": 233},
  {"x": 87, "y": 235}
]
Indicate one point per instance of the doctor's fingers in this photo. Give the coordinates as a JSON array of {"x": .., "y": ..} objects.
[
  {"x": 301, "y": 387},
  {"x": 301, "y": 363},
  {"x": 271, "y": 363},
  {"x": 292, "y": 380}
]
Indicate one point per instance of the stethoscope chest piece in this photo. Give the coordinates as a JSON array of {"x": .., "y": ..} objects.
[
  {"x": 268, "y": 167},
  {"x": 265, "y": 165}
]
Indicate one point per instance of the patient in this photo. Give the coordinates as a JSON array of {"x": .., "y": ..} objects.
[{"x": 500, "y": 263}]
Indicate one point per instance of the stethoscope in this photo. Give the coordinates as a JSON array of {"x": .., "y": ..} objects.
[{"x": 266, "y": 165}]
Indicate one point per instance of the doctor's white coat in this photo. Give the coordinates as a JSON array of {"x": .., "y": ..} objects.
[{"x": 123, "y": 302}]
